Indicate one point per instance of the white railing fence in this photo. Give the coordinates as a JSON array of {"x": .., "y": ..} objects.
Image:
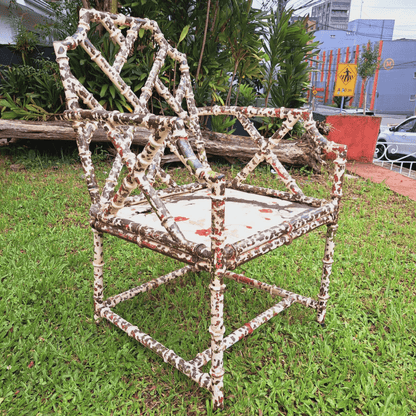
[{"x": 399, "y": 157}]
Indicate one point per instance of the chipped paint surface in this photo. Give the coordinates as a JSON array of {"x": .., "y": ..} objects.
[{"x": 210, "y": 224}]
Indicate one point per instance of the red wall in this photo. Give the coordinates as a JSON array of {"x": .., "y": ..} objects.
[{"x": 359, "y": 133}]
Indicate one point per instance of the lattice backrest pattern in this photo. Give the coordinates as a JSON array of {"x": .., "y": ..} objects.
[{"x": 74, "y": 90}]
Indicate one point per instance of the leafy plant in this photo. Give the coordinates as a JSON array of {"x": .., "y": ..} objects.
[
  {"x": 270, "y": 125},
  {"x": 244, "y": 95},
  {"x": 368, "y": 63},
  {"x": 22, "y": 108},
  {"x": 64, "y": 23},
  {"x": 223, "y": 124},
  {"x": 31, "y": 87},
  {"x": 96, "y": 81},
  {"x": 25, "y": 41},
  {"x": 272, "y": 40},
  {"x": 338, "y": 101},
  {"x": 291, "y": 49},
  {"x": 209, "y": 60},
  {"x": 241, "y": 36},
  {"x": 14, "y": 79}
]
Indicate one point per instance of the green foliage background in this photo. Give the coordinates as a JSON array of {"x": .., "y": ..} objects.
[{"x": 236, "y": 54}]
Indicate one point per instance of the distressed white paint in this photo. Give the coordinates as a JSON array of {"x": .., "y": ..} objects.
[{"x": 246, "y": 214}]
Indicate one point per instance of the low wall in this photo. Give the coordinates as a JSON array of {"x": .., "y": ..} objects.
[
  {"x": 359, "y": 133},
  {"x": 8, "y": 56}
]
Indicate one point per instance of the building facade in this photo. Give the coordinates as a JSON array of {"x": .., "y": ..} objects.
[
  {"x": 359, "y": 32},
  {"x": 332, "y": 15},
  {"x": 373, "y": 29},
  {"x": 391, "y": 90}
]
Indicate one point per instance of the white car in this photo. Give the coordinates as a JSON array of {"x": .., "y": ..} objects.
[
  {"x": 358, "y": 111},
  {"x": 397, "y": 141}
]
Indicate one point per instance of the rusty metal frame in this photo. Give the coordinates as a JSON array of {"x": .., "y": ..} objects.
[{"x": 219, "y": 257}]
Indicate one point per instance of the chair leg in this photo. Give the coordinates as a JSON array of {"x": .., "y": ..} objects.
[
  {"x": 217, "y": 330},
  {"x": 217, "y": 288},
  {"x": 98, "y": 274},
  {"x": 326, "y": 273}
]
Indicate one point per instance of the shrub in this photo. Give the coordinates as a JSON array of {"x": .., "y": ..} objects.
[{"x": 27, "y": 89}]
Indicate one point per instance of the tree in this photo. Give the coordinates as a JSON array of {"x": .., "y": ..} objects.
[
  {"x": 289, "y": 48},
  {"x": 271, "y": 41},
  {"x": 63, "y": 24},
  {"x": 367, "y": 65},
  {"x": 242, "y": 37},
  {"x": 208, "y": 59},
  {"x": 103, "y": 5}
]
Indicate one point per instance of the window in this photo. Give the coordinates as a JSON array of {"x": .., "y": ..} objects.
[{"x": 407, "y": 127}]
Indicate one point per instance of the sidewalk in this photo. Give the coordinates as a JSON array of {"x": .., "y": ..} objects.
[{"x": 395, "y": 181}]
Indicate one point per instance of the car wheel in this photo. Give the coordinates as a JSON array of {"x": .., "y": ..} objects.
[{"x": 381, "y": 151}]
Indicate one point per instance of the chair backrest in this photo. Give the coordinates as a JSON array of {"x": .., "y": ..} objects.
[{"x": 76, "y": 92}]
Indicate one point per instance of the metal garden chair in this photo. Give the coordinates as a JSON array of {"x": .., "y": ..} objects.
[{"x": 236, "y": 222}]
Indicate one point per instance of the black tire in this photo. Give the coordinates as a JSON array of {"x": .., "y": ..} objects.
[{"x": 380, "y": 152}]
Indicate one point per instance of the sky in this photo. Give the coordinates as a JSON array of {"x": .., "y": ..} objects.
[{"x": 402, "y": 11}]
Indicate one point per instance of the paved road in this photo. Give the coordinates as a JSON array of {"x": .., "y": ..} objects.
[
  {"x": 385, "y": 118},
  {"x": 390, "y": 119}
]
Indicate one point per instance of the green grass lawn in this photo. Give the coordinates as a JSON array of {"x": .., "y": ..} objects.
[{"x": 55, "y": 360}]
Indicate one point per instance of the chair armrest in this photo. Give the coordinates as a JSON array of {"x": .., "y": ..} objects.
[
  {"x": 249, "y": 112},
  {"x": 326, "y": 146},
  {"x": 149, "y": 121}
]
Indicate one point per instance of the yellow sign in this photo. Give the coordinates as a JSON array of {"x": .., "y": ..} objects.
[
  {"x": 388, "y": 64},
  {"x": 346, "y": 79}
]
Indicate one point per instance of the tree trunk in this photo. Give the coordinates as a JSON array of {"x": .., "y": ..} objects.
[
  {"x": 227, "y": 101},
  {"x": 300, "y": 153},
  {"x": 203, "y": 42},
  {"x": 215, "y": 16},
  {"x": 113, "y": 7},
  {"x": 238, "y": 92},
  {"x": 365, "y": 96}
]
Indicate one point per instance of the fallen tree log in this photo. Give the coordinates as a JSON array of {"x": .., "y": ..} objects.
[{"x": 299, "y": 153}]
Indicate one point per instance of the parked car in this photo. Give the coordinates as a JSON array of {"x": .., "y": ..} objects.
[
  {"x": 397, "y": 141},
  {"x": 357, "y": 111}
]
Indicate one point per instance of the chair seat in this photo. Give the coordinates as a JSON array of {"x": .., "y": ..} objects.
[{"x": 245, "y": 214}]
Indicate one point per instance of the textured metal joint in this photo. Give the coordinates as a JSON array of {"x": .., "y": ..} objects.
[
  {"x": 201, "y": 250},
  {"x": 217, "y": 288},
  {"x": 229, "y": 251}
]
